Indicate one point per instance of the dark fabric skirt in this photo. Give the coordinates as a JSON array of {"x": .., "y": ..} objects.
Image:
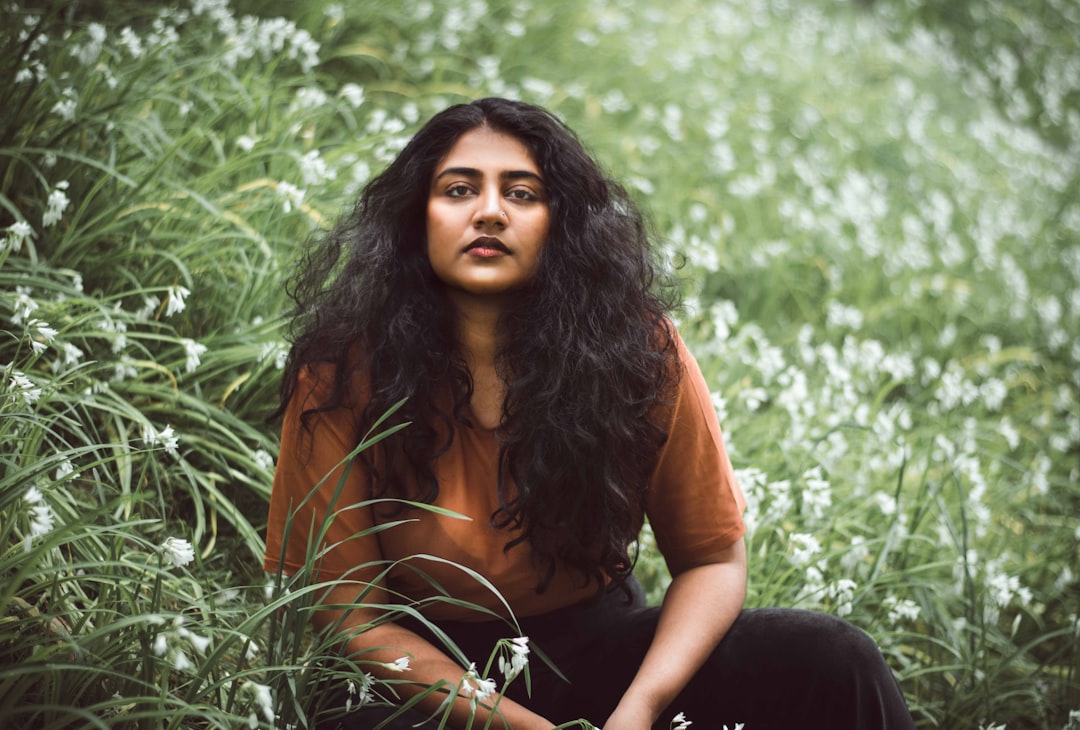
[{"x": 774, "y": 669}]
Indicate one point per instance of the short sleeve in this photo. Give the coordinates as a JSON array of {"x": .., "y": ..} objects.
[
  {"x": 315, "y": 483},
  {"x": 694, "y": 503}
]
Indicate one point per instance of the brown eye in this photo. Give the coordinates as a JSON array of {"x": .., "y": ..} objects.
[{"x": 522, "y": 194}]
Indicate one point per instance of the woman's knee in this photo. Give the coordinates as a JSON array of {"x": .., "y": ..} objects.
[{"x": 800, "y": 640}]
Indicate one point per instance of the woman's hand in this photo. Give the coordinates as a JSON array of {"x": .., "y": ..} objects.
[{"x": 631, "y": 715}]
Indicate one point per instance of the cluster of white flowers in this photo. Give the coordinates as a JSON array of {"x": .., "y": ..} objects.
[
  {"x": 401, "y": 664},
  {"x": 353, "y": 94},
  {"x": 291, "y": 196},
  {"x": 56, "y": 204},
  {"x": 65, "y": 109},
  {"x": 804, "y": 548},
  {"x": 23, "y": 305},
  {"x": 177, "y": 551},
  {"x": 263, "y": 700},
  {"x": 41, "y": 334},
  {"x": 477, "y": 689},
  {"x": 175, "y": 300},
  {"x": 18, "y": 233},
  {"x": 193, "y": 351},
  {"x": 842, "y": 593},
  {"x": 166, "y": 438},
  {"x": 170, "y": 642},
  {"x": 21, "y": 386},
  {"x": 117, "y": 328},
  {"x": 314, "y": 170},
  {"x": 41, "y": 516},
  {"x": 901, "y": 609},
  {"x": 363, "y": 693},
  {"x": 518, "y": 657}
]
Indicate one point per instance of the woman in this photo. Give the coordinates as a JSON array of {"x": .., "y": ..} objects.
[{"x": 498, "y": 281}]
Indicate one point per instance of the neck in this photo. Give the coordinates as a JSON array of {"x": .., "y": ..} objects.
[{"x": 477, "y": 322}]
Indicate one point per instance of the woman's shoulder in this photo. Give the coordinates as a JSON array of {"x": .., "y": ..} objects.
[{"x": 335, "y": 381}]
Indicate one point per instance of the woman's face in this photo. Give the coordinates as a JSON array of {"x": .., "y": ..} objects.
[{"x": 487, "y": 215}]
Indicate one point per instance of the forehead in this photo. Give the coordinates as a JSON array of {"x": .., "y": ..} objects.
[{"x": 484, "y": 149}]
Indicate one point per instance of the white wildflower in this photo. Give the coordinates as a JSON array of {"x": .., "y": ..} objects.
[
  {"x": 246, "y": 142},
  {"x": 65, "y": 108},
  {"x": 131, "y": 42},
  {"x": 63, "y": 471},
  {"x": 843, "y": 592},
  {"x": 993, "y": 393},
  {"x": 24, "y": 305},
  {"x": 124, "y": 370},
  {"x": 292, "y": 196},
  {"x": 193, "y": 351},
  {"x": 117, "y": 328},
  {"x": 263, "y": 699},
  {"x": 886, "y": 503},
  {"x": 45, "y": 335},
  {"x": 198, "y": 643},
  {"x": 476, "y": 689},
  {"x": 353, "y": 93},
  {"x": 166, "y": 438},
  {"x": 41, "y": 515},
  {"x": 88, "y": 52},
  {"x": 901, "y": 609},
  {"x": 177, "y": 551},
  {"x": 263, "y": 459},
  {"x": 33, "y": 71},
  {"x": 180, "y": 661},
  {"x": 56, "y": 205},
  {"x": 1003, "y": 588},
  {"x": 18, "y": 233},
  {"x": 398, "y": 665},
  {"x": 362, "y": 693},
  {"x": 803, "y": 548},
  {"x": 856, "y": 554},
  {"x": 150, "y": 305},
  {"x": 754, "y": 398},
  {"x": 679, "y": 722},
  {"x": 174, "y": 303},
  {"x": 23, "y": 387},
  {"x": 314, "y": 170},
  {"x": 817, "y": 496},
  {"x": 519, "y": 658}
]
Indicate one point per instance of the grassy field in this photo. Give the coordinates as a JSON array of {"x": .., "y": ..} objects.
[{"x": 878, "y": 241}]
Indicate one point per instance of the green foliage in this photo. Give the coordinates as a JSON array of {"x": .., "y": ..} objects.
[{"x": 879, "y": 252}]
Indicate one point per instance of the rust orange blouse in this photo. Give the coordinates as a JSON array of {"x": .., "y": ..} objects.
[{"x": 693, "y": 504}]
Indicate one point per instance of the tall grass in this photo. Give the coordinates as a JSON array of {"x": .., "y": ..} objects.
[{"x": 880, "y": 266}]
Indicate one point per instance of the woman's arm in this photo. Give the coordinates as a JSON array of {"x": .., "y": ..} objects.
[
  {"x": 428, "y": 665},
  {"x": 700, "y": 605}
]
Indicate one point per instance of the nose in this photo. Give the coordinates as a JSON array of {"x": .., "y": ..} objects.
[{"x": 489, "y": 210}]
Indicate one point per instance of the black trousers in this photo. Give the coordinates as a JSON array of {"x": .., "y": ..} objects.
[{"x": 775, "y": 669}]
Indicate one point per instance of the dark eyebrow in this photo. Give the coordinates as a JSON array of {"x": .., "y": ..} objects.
[{"x": 508, "y": 175}]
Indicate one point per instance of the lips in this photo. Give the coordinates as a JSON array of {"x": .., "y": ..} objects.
[{"x": 487, "y": 245}]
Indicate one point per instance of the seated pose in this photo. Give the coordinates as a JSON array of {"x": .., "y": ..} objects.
[{"x": 497, "y": 282}]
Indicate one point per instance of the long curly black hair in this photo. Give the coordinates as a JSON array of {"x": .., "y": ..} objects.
[{"x": 586, "y": 352}]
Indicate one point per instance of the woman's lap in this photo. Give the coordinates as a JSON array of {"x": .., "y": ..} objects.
[{"x": 775, "y": 668}]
